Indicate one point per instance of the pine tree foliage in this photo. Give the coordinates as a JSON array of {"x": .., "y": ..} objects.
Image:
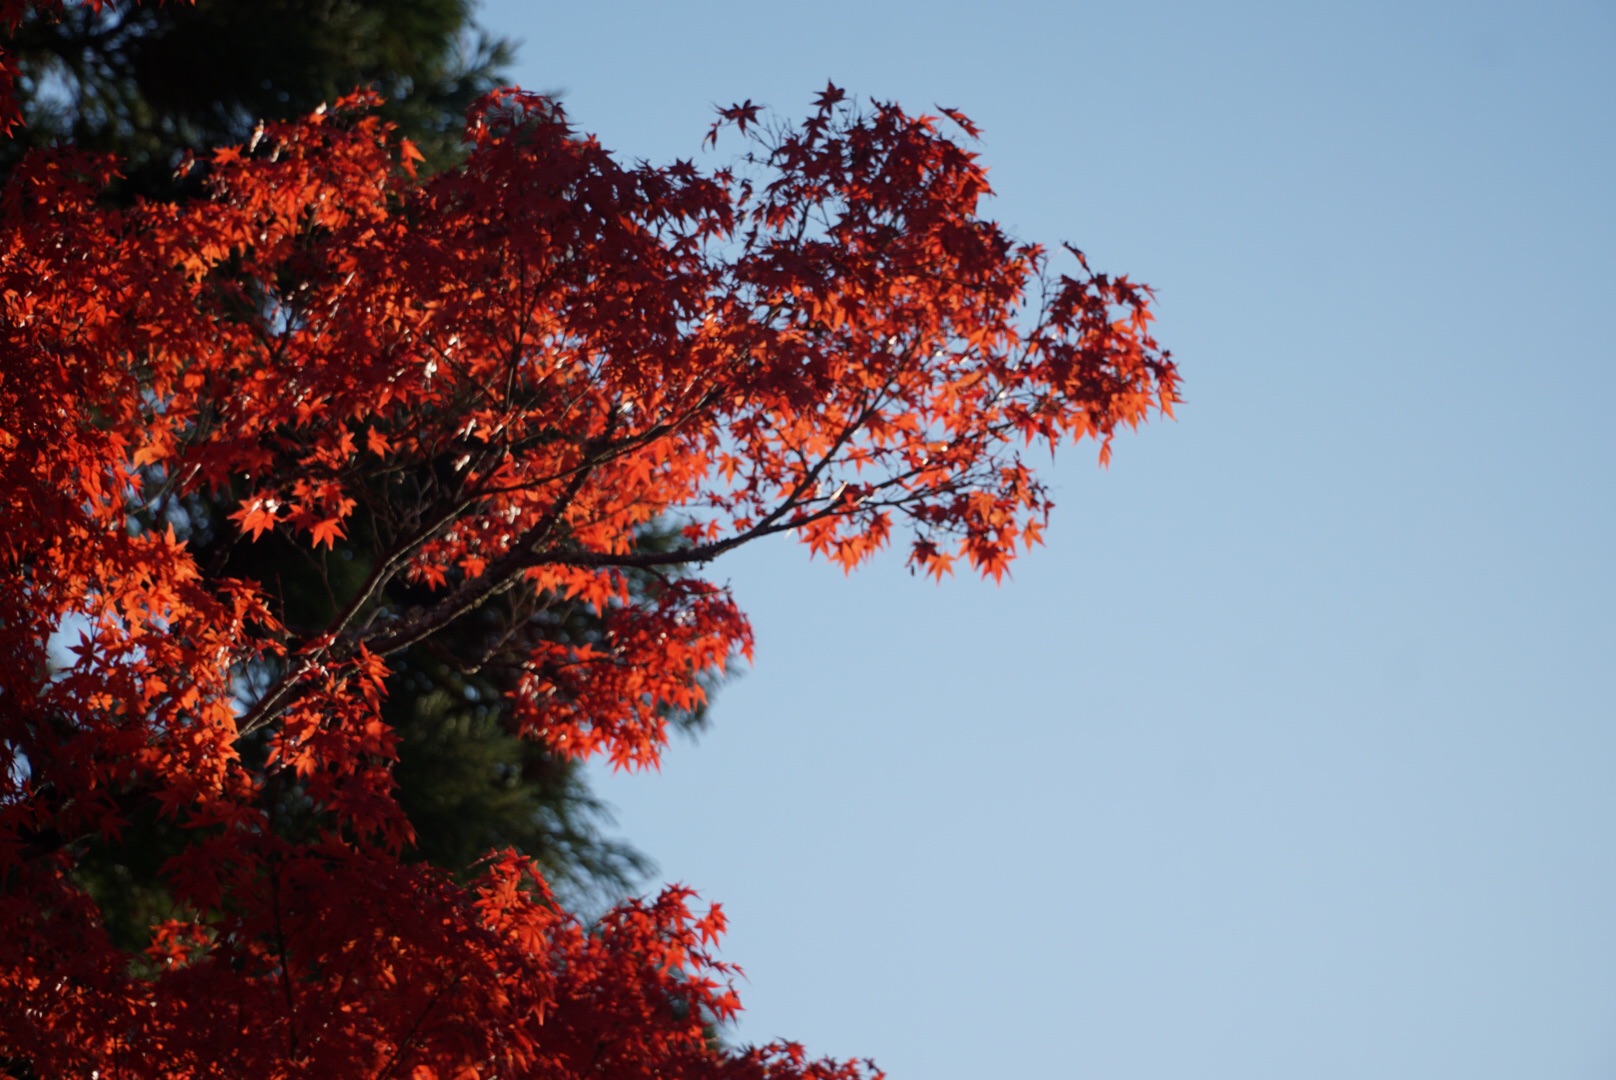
[{"x": 152, "y": 84}]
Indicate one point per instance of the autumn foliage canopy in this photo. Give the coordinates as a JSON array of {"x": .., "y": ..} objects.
[{"x": 498, "y": 378}]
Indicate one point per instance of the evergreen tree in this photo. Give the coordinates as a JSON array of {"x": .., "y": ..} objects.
[{"x": 150, "y": 84}]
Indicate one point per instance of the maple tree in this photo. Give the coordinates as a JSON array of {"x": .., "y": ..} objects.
[{"x": 500, "y": 376}]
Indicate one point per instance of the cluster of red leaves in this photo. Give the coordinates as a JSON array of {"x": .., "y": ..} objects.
[
  {"x": 501, "y": 375},
  {"x": 342, "y": 963}
]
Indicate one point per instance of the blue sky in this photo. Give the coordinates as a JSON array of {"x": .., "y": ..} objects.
[{"x": 1291, "y": 754}]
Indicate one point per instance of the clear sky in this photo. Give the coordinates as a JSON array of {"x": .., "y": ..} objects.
[{"x": 1292, "y": 754}]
